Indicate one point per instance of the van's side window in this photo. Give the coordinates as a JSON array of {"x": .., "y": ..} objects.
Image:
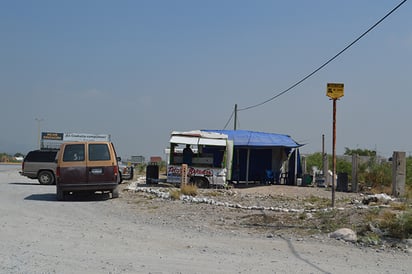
[
  {"x": 73, "y": 153},
  {"x": 98, "y": 152}
]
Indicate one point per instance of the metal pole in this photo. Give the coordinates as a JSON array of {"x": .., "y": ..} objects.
[
  {"x": 334, "y": 153},
  {"x": 247, "y": 166},
  {"x": 39, "y": 120},
  {"x": 323, "y": 153},
  {"x": 296, "y": 168}
]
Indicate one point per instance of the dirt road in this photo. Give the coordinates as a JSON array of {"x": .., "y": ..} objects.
[{"x": 98, "y": 235}]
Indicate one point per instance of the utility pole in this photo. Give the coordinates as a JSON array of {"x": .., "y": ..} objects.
[
  {"x": 39, "y": 120},
  {"x": 325, "y": 164},
  {"x": 234, "y": 126}
]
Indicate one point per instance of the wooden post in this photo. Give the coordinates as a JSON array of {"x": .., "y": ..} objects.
[{"x": 184, "y": 174}]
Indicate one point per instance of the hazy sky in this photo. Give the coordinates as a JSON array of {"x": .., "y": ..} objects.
[{"x": 140, "y": 69}]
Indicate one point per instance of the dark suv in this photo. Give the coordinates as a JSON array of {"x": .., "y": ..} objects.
[{"x": 40, "y": 165}]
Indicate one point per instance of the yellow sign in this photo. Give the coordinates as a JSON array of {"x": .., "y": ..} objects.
[{"x": 334, "y": 90}]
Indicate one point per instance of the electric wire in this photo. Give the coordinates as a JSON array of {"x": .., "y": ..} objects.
[
  {"x": 230, "y": 118},
  {"x": 324, "y": 64}
]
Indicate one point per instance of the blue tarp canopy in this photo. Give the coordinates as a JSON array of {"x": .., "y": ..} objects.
[
  {"x": 256, "y": 152},
  {"x": 247, "y": 138}
]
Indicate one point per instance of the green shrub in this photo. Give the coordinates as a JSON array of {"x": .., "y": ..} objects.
[
  {"x": 400, "y": 225},
  {"x": 393, "y": 223}
]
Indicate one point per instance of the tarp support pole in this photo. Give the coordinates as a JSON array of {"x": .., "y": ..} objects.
[
  {"x": 296, "y": 167},
  {"x": 247, "y": 166}
]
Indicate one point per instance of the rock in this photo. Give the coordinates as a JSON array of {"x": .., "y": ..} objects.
[
  {"x": 375, "y": 230},
  {"x": 383, "y": 198},
  {"x": 345, "y": 234},
  {"x": 369, "y": 199},
  {"x": 408, "y": 243}
]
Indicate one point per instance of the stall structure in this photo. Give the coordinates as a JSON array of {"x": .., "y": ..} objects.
[
  {"x": 232, "y": 156},
  {"x": 259, "y": 156},
  {"x": 209, "y": 163}
]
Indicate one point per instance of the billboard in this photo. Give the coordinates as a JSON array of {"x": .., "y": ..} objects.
[
  {"x": 53, "y": 140},
  {"x": 70, "y": 137},
  {"x": 52, "y": 136}
]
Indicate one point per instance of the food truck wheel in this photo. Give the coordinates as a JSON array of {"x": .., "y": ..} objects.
[{"x": 201, "y": 182}]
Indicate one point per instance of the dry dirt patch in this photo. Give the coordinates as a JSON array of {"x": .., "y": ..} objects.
[{"x": 300, "y": 210}]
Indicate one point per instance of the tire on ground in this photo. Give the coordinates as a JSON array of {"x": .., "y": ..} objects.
[
  {"x": 46, "y": 177},
  {"x": 200, "y": 182},
  {"x": 59, "y": 194},
  {"x": 115, "y": 193}
]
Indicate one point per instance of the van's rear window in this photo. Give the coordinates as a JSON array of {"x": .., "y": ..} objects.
[
  {"x": 73, "y": 153},
  {"x": 99, "y": 152}
]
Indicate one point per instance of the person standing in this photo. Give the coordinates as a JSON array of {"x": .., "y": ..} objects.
[{"x": 187, "y": 155}]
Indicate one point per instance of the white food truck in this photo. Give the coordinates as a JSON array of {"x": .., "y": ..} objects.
[{"x": 211, "y": 160}]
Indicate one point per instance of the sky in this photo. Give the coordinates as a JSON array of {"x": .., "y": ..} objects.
[{"x": 140, "y": 69}]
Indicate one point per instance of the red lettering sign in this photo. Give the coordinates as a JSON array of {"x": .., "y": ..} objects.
[{"x": 191, "y": 172}]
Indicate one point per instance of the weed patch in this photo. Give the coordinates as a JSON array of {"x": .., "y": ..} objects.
[
  {"x": 317, "y": 202},
  {"x": 175, "y": 194},
  {"x": 391, "y": 222},
  {"x": 188, "y": 189},
  {"x": 399, "y": 225},
  {"x": 331, "y": 220}
]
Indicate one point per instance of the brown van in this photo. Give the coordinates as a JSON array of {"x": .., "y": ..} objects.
[{"x": 87, "y": 166}]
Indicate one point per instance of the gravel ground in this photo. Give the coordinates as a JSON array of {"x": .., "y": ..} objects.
[
  {"x": 269, "y": 211},
  {"x": 141, "y": 233}
]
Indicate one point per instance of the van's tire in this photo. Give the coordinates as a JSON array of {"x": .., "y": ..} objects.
[
  {"x": 200, "y": 182},
  {"x": 115, "y": 193},
  {"x": 59, "y": 194},
  {"x": 46, "y": 177}
]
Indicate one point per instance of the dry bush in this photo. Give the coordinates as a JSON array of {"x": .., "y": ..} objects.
[
  {"x": 408, "y": 193},
  {"x": 188, "y": 189},
  {"x": 400, "y": 225},
  {"x": 393, "y": 223},
  {"x": 377, "y": 189},
  {"x": 331, "y": 220},
  {"x": 399, "y": 206},
  {"x": 175, "y": 194}
]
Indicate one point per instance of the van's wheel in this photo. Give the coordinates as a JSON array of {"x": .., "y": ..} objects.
[
  {"x": 115, "y": 193},
  {"x": 46, "y": 177},
  {"x": 59, "y": 194},
  {"x": 119, "y": 178},
  {"x": 200, "y": 182}
]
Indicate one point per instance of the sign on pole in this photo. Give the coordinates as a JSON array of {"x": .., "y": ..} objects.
[{"x": 335, "y": 90}]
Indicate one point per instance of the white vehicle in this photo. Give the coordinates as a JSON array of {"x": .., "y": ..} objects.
[{"x": 210, "y": 162}]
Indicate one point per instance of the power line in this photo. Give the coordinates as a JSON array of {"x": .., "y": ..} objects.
[
  {"x": 326, "y": 63},
  {"x": 230, "y": 118}
]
